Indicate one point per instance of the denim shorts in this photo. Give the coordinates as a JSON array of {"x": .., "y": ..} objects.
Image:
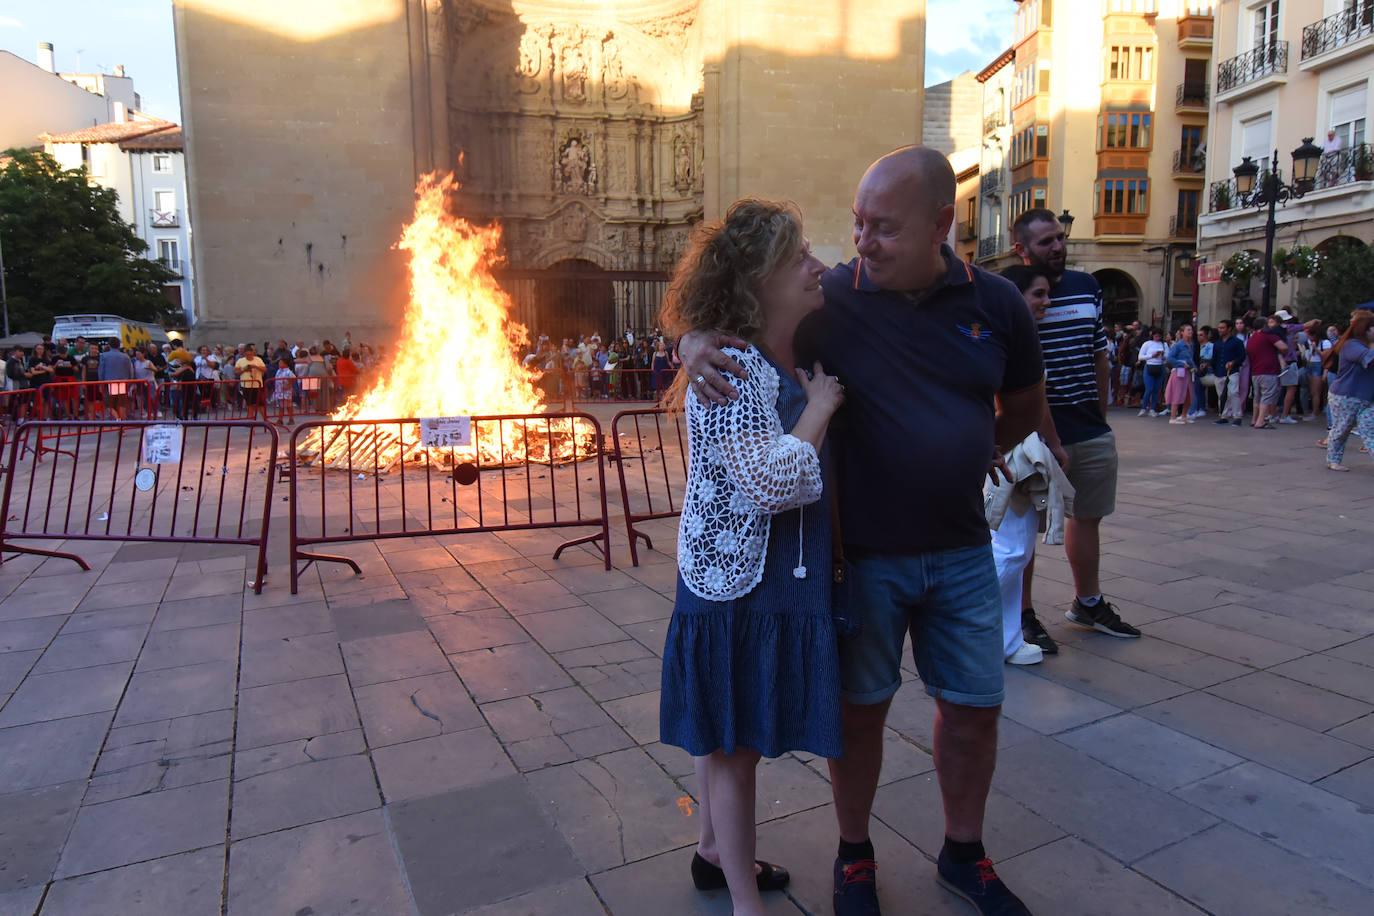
[{"x": 950, "y": 603}]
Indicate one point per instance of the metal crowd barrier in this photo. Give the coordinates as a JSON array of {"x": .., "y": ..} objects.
[
  {"x": 226, "y": 399},
  {"x": 621, "y": 385},
  {"x": 138, "y": 480},
  {"x": 363, "y": 480},
  {"x": 17, "y": 405},
  {"x": 657, "y": 477},
  {"x": 124, "y": 399}
]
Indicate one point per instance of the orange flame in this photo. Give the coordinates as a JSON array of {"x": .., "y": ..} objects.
[{"x": 457, "y": 351}]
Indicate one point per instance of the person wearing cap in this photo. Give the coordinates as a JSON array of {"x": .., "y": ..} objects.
[{"x": 1290, "y": 372}]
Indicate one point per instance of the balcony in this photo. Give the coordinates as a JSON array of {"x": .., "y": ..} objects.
[
  {"x": 1346, "y": 166},
  {"x": 987, "y": 248},
  {"x": 993, "y": 121},
  {"x": 1183, "y": 226},
  {"x": 1337, "y": 37},
  {"x": 1256, "y": 69},
  {"x": 1195, "y": 27},
  {"x": 1222, "y": 196},
  {"x": 968, "y": 229},
  {"x": 172, "y": 264},
  {"x": 164, "y": 219},
  {"x": 1188, "y": 164},
  {"x": 1190, "y": 97},
  {"x": 990, "y": 185}
]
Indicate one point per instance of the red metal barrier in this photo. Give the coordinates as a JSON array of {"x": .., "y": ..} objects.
[
  {"x": 125, "y": 399},
  {"x": 365, "y": 493},
  {"x": 226, "y": 399},
  {"x": 100, "y": 489},
  {"x": 17, "y": 406},
  {"x": 651, "y": 458}
]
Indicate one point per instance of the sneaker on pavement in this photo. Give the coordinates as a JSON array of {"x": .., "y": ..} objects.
[
  {"x": 1288, "y": 420},
  {"x": 856, "y": 888},
  {"x": 1235, "y": 423},
  {"x": 1034, "y": 632},
  {"x": 978, "y": 883},
  {"x": 1177, "y": 421},
  {"x": 1154, "y": 413},
  {"x": 1222, "y": 422},
  {"x": 1101, "y": 617},
  {"x": 1026, "y": 654},
  {"x": 1141, "y": 414}
]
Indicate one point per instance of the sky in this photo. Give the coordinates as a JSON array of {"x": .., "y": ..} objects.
[{"x": 93, "y": 36}]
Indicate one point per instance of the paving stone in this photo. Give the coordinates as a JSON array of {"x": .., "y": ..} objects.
[
  {"x": 586, "y": 580},
  {"x": 571, "y": 628},
  {"x": 167, "y": 772},
  {"x": 29, "y": 633},
  {"x": 47, "y": 753},
  {"x": 421, "y": 707},
  {"x": 308, "y": 618},
  {"x": 381, "y": 618},
  {"x": 124, "y": 594},
  {"x": 614, "y": 670},
  {"x": 1305, "y": 633},
  {"x": 674, "y": 760},
  {"x": 149, "y": 550},
  {"x": 146, "y": 827},
  {"x": 1088, "y": 805},
  {"x": 1166, "y": 660},
  {"x": 1287, "y": 699},
  {"x": 1254, "y": 735},
  {"x": 374, "y": 659},
  {"x": 289, "y": 658},
  {"x": 303, "y": 794},
  {"x": 784, "y": 786},
  {"x": 912, "y": 715},
  {"x": 92, "y": 647},
  {"x": 189, "y": 884},
  {"x": 649, "y": 633},
  {"x": 344, "y": 867},
  {"x": 616, "y": 808},
  {"x": 1048, "y": 707},
  {"x": 638, "y": 715},
  {"x": 173, "y": 692},
  {"x": 1311, "y": 822},
  {"x": 479, "y": 629},
  {"x": 1245, "y": 648},
  {"x": 1148, "y": 751},
  {"x": 1361, "y": 651},
  {"x": 33, "y": 827},
  {"x": 567, "y": 898},
  {"x": 661, "y": 885},
  {"x": 14, "y": 666},
  {"x": 508, "y": 671},
  {"x": 409, "y": 561},
  {"x": 295, "y": 709},
  {"x": 99, "y": 620},
  {"x": 272, "y": 757},
  {"x": 1360, "y": 732},
  {"x": 1104, "y": 679},
  {"x": 21, "y": 902},
  {"x": 454, "y": 859},
  {"x": 449, "y": 602},
  {"x": 66, "y": 693},
  {"x": 1233, "y": 873},
  {"x": 443, "y": 763},
  {"x": 199, "y": 612},
  {"x": 632, "y": 605},
  {"x": 1355, "y": 783},
  {"x": 913, "y": 808},
  {"x": 533, "y": 597},
  {"x": 190, "y": 646},
  {"x": 1070, "y": 877},
  {"x": 225, "y": 583},
  {"x": 1335, "y": 674}
]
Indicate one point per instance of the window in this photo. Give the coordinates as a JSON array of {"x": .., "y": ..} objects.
[
  {"x": 1187, "y": 211},
  {"x": 1255, "y": 138},
  {"x": 1038, "y": 197},
  {"x": 1132, "y": 63},
  {"x": 1190, "y": 138},
  {"x": 1042, "y": 141},
  {"x": 1265, "y": 24},
  {"x": 1132, "y": 6},
  {"x": 167, "y": 251},
  {"x": 1123, "y": 195},
  {"x": 1124, "y": 130},
  {"x": 1347, "y": 115},
  {"x": 162, "y": 163},
  {"x": 165, "y": 201}
]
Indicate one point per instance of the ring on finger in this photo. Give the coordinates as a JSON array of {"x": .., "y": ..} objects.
[{"x": 700, "y": 380}]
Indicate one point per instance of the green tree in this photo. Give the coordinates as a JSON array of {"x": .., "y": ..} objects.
[
  {"x": 67, "y": 250},
  {"x": 1345, "y": 280}
]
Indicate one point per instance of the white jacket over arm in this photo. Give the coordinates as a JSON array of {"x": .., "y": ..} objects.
[{"x": 742, "y": 470}]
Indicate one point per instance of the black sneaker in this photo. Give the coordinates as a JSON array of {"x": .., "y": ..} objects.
[
  {"x": 1034, "y": 632},
  {"x": 1222, "y": 422},
  {"x": 856, "y": 888},
  {"x": 1101, "y": 617},
  {"x": 977, "y": 883}
]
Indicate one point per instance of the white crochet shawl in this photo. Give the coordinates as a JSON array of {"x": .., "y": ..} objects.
[{"x": 742, "y": 470}]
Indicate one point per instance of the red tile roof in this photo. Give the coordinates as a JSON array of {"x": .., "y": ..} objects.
[
  {"x": 114, "y": 132},
  {"x": 169, "y": 138}
]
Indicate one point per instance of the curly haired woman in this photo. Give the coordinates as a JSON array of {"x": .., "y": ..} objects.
[{"x": 750, "y": 666}]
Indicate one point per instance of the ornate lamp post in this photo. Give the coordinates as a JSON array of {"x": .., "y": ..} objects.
[
  {"x": 1270, "y": 191},
  {"x": 1066, "y": 220}
]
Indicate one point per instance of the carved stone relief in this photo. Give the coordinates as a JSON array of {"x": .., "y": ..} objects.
[{"x": 574, "y": 171}]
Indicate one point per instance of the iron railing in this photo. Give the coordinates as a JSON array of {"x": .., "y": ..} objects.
[
  {"x": 1346, "y": 166},
  {"x": 1338, "y": 30},
  {"x": 987, "y": 248},
  {"x": 1187, "y": 161},
  {"x": 1183, "y": 224},
  {"x": 1259, "y": 62},
  {"x": 1222, "y": 196},
  {"x": 1191, "y": 95},
  {"x": 164, "y": 219},
  {"x": 993, "y": 121},
  {"x": 968, "y": 229},
  {"x": 991, "y": 183}
]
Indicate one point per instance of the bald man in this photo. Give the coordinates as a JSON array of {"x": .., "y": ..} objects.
[{"x": 941, "y": 362}]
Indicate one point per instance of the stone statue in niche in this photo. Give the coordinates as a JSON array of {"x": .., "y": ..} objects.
[
  {"x": 574, "y": 170},
  {"x": 531, "y": 54},
  {"x": 614, "y": 68},
  {"x": 574, "y": 71},
  {"x": 682, "y": 163}
]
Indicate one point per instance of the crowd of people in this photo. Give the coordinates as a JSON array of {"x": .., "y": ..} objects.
[
  {"x": 170, "y": 380},
  {"x": 630, "y": 367},
  {"x": 1251, "y": 371}
]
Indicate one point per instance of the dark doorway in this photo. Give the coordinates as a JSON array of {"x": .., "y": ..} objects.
[
  {"x": 1120, "y": 296},
  {"x": 576, "y": 298}
]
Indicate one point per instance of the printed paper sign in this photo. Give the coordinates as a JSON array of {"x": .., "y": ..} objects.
[
  {"x": 446, "y": 432},
  {"x": 162, "y": 444}
]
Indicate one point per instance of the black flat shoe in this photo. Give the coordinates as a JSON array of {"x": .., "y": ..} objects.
[{"x": 708, "y": 877}]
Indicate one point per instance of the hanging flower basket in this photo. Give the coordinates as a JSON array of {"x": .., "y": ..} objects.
[
  {"x": 1302, "y": 262},
  {"x": 1240, "y": 267}
]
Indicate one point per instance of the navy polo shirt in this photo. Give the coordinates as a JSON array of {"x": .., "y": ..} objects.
[{"x": 914, "y": 438}]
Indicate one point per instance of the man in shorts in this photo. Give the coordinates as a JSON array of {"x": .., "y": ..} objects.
[
  {"x": 1076, "y": 385},
  {"x": 1262, "y": 350},
  {"x": 250, "y": 370},
  {"x": 957, "y": 370}
]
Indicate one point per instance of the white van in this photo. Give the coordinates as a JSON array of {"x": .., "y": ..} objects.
[{"x": 110, "y": 329}]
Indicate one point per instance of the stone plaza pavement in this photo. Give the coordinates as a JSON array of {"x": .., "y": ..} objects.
[{"x": 472, "y": 727}]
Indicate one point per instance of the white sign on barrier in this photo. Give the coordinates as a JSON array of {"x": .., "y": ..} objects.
[
  {"x": 446, "y": 432},
  {"x": 162, "y": 444}
]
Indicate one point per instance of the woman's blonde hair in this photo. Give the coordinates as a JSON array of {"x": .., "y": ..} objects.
[{"x": 717, "y": 279}]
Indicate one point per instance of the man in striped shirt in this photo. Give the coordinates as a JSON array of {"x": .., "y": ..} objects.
[{"x": 1077, "y": 374}]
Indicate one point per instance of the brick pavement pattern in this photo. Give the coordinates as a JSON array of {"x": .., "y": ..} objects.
[{"x": 471, "y": 727}]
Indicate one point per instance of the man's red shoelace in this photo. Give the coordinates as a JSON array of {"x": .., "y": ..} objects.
[
  {"x": 863, "y": 871},
  {"x": 985, "y": 873}
]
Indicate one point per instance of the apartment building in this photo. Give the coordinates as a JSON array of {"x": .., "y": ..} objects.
[
  {"x": 1288, "y": 70},
  {"x": 1105, "y": 117}
]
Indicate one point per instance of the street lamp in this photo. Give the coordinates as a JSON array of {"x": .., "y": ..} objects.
[
  {"x": 1272, "y": 191},
  {"x": 1066, "y": 220}
]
